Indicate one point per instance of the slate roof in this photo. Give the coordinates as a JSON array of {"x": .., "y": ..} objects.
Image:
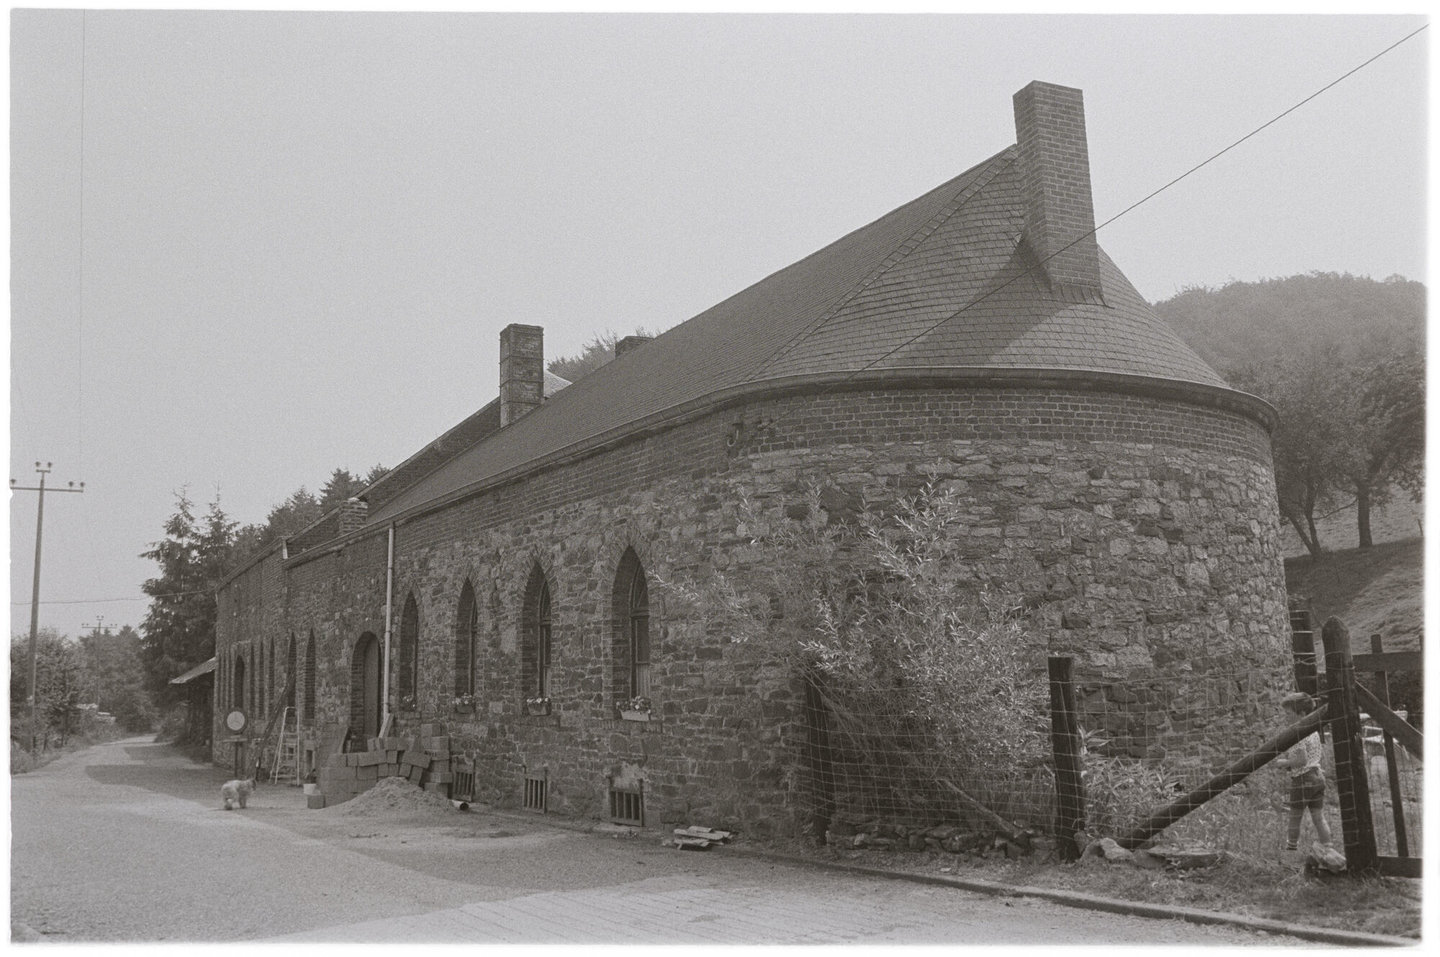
[{"x": 941, "y": 283}]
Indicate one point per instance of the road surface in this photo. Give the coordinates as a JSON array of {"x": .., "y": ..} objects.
[{"x": 127, "y": 842}]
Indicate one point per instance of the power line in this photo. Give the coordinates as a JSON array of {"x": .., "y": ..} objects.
[
  {"x": 97, "y": 601},
  {"x": 1028, "y": 270}
]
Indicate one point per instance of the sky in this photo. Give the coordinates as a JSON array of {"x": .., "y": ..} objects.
[{"x": 249, "y": 248}]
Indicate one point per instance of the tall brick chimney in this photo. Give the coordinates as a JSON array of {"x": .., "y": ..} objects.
[
  {"x": 1055, "y": 181},
  {"x": 522, "y": 371}
]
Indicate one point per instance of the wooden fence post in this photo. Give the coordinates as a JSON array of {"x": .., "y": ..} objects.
[
  {"x": 1343, "y": 713},
  {"x": 1397, "y": 805},
  {"x": 1065, "y": 743},
  {"x": 817, "y": 747}
]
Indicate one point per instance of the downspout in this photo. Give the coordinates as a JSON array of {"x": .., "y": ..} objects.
[{"x": 389, "y": 598}]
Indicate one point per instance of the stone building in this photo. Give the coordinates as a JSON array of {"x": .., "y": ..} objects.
[{"x": 509, "y": 567}]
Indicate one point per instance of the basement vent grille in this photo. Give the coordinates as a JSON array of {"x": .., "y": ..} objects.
[
  {"x": 536, "y": 792},
  {"x": 462, "y": 785},
  {"x": 627, "y": 806}
]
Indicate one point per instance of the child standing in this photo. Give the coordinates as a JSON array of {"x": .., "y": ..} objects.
[{"x": 1307, "y": 780}]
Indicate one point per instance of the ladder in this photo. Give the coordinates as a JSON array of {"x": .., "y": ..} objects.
[{"x": 287, "y": 749}]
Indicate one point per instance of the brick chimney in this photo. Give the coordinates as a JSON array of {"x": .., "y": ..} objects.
[
  {"x": 522, "y": 371},
  {"x": 352, "y": 515},
  {"x": 1055, "y": 182},
  {"x": 630, "y": 342}
]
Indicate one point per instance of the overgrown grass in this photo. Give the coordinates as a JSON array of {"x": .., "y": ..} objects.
[
  {"x": 1239, "y": 884},
  {"x": 22, "y": 760}
]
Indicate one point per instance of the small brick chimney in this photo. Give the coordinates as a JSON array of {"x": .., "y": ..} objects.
[
  {"x": 352, "y": 515},
  {"x": 629, "y": 343},
  {"x": 522, "y": 371},
  {"x": 1055, "y": 181}
]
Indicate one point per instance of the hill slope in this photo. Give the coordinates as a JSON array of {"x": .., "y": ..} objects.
[{"x": 1376, "y": 592}]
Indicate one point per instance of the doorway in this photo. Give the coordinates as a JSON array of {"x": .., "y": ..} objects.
[{"x": 365, "y": 671}]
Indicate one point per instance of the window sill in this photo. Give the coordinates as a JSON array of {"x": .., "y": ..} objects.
[{"x": 637, "y": 716}]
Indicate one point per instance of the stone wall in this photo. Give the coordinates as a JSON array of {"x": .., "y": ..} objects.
[{"x": 1139, "y": 529}]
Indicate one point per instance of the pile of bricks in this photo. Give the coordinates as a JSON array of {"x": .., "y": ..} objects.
[{"x": 423, "y": 759}]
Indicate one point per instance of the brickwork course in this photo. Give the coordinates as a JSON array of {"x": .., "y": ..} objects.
[{"x": 976, "y": 337}]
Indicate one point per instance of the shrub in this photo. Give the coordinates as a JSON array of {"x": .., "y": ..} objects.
[{"x": 926, "y": 678}]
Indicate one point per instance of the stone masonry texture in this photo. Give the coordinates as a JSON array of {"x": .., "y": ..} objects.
[{"x": 1140, "y": 529}]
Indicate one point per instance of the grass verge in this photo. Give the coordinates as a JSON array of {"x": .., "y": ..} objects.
[{"x": 1272, "y": 890}]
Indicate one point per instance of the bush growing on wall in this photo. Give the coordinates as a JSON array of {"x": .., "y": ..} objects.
[{"x": 923, "y": 671}]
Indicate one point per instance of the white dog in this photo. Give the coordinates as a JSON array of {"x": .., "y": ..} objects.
[{"x": 235, "y": 792}]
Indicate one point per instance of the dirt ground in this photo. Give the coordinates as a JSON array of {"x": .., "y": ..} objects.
[{"x": 127, "y": 842}]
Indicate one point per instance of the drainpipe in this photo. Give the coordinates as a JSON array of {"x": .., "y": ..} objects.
[{"x": 389, "y": 597}]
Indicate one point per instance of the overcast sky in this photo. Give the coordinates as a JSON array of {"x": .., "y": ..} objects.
[{"x": 250, "y": 248}]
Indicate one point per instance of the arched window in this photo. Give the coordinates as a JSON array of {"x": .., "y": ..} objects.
[
  {"x": 631, "y": 642},
  {"x": 237, "y": 684},
  {"x": 310, "y": 678},
  {"x": 466, "y": 653},
  {"x": 292, "y": 680},
  {"x": 409, "y": 655},
  {"x": 536, "y": 629}
]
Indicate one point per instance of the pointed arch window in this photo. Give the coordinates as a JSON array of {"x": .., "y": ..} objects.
[
  {"x": 406, "y": 681},
  {"x": 537, "y": 623},
  {"x": 467, "y": 628},
  {"x": 631, "y": 642},
  {"x": 237, "y": 684},
  {"x": 309, "y": 710},
  {"x": 292, "y": 683}
]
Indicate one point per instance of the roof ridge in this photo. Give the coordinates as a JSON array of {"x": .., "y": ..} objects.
[{"x": 906, "y": 246}]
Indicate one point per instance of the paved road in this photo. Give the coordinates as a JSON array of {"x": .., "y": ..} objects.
[{"x": 126, "y": 842}]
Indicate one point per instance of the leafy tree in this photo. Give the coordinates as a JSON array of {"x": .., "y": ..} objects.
[
  {"x": 1391, "y": 410},
  {"x": 598, "y": 351},
  {"x": 115, "y": 677},
  {"x": 1314, "y": 443},
  {"x": 1341, "y": 359},
  {"x": 59, "y": 686},
  {"x": 179, "y": 629},
  {"x": 301, "y": 509}
]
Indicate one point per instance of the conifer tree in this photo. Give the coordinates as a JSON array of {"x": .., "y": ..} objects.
[{"x": 178, "y": 631}]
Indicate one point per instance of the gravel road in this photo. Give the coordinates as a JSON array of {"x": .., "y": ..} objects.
[{"x": 127, "y": 842}]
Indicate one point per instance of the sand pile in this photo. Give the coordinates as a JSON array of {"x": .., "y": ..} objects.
[{"x": 394, "y": 794}]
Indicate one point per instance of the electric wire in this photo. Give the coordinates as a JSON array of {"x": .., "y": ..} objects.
[
  {"x": 1133, "y": 206},
  {"x": 1128, "y": 209}
]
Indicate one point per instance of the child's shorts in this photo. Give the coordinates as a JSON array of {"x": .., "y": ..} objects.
[{"x": 1307, "y": 791}]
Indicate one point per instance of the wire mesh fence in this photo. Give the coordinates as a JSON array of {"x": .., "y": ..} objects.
[{"x": 886, "y": 780}]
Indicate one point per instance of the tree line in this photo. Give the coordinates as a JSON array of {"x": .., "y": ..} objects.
[{"x": 1341, "y": 358}]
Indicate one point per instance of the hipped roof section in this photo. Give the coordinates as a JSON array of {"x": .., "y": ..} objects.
[{"x": 941, "y": 284}]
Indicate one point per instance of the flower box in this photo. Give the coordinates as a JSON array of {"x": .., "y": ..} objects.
[
  {"x": 463, "y": 707},
  {"x": 537, "y": 706},
  {"x": 628, "y": 715}
]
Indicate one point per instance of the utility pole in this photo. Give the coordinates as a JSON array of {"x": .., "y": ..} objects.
[{"x": 35, "y": 592}]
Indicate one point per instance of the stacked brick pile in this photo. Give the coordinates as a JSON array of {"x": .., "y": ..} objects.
[{"x": 422, "y": 759}]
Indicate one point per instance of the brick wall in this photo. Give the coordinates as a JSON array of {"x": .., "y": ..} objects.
[
  {"x": 1141, "y": 529},
  {"x": 1055, "y": 180}
]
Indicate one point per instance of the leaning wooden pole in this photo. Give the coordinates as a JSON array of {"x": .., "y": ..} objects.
[
  {"x": 1234, "y": 774},
  {"x": 1065, "y": 744},
  {"x": 1347, "y": 732}
]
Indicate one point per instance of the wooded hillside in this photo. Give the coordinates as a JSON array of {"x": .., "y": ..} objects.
[{"x": 1342, "y": 360}]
